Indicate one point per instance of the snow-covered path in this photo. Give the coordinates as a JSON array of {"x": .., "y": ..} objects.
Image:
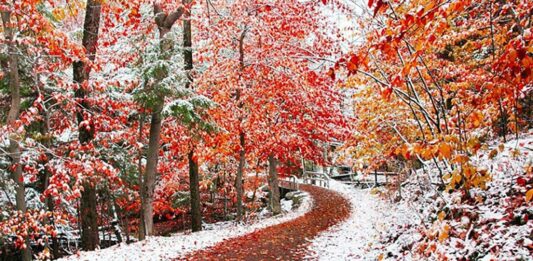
[
  {"x": 287, "y": 241},
  {"x": 358, "y": 238},
  {"x": 166, "y": 248}
]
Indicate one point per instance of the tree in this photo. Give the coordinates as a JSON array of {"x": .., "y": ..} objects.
[
  {"x": 196, "y": 215},
  {"x": 164, "y": 23},
  {"x": 257, "y": 99},
  {"x": 89, "y": 216},
  {"x": 12, "y": 117},
  {"x": 273, "y": 184},
  {"x": 242, "y": 135}
]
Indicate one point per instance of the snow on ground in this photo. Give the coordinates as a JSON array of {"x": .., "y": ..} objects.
[
  {"x": 358, "y": 236},
  {"x": 491, "y": 224},
  {"x": 494, "y": 224},
  {"x": 286, "y": 205},
  {"x": 165, "y": 248}
]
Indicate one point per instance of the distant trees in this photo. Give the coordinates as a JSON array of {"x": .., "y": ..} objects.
[{"x": 259, "y": 72}]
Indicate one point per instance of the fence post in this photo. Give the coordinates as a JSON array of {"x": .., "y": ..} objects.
[{"x": 375, "y": 178}]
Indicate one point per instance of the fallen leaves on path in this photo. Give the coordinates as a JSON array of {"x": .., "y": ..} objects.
[{"x": 287, "y": 241}]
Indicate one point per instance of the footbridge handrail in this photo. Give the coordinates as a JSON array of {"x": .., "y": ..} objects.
[{"x": 316, "y": 178}]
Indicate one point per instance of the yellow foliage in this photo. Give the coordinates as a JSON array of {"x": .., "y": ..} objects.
[
  {"x": 374, "y": 191},
  {"x": 59, "y": 14},
  {"x": 427, "y": 153},
  {"x": 441, "y": 215},
  {"x": 473, "y": 144},
  {"x": 444, "y": 233},
  {"x": 515, "y": 153},
  {"x": 493, "y": 153},
  {"x": 476, "y": 118},
  {"x": 460, "y": 158},
  {"x": 469, "y": 171},
  {"x": 456, "y": 178},
  {"x": 529, "y": 195},
  {"x": 445, "y": 150}
]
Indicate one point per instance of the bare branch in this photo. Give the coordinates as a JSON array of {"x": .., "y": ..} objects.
[
  {"x": 166, "y": 21},
  {"x": 173, "y": 17}
]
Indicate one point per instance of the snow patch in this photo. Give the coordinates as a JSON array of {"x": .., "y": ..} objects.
[
  {"x": 357, "y": 237},
  {"x": 177, "y": 245},
  {"x": 286, "y": 205}
]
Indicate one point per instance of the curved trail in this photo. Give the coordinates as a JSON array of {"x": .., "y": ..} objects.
[{"x": 286, "y": 241}]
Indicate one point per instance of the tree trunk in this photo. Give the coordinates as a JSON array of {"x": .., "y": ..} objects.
[
  {"x": 13, "y": 115},
  {"x": 187, "y": 43},
  {"x": 55, "y": 242},
  {"x": 150, "y": 174},
  {"x": 238, "y": 178},
  {"x": 242, "y": 152},
  {"x": 142, "y": 229},
  {"x": 89, "y": 218},
  {"x": 194, "y": 180},
  {"x": 45, "y": 131},
  {"x": 194, "y": 183},
  {"x": 273, "y": 185}
]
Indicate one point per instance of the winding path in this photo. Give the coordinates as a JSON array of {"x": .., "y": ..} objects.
[{"x": 286, "y": 241}]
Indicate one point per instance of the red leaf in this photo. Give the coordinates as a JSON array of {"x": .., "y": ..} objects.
[
  {"x": 386, "y": 92},
  {"x": 353, "y": 64},
  {"x": 521, "y": 181},
  {"x": 379, "y": 4},
  {"x": 331, "y": 73}
]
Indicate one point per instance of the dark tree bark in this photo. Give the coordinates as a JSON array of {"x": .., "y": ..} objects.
[
  {"x": 273, "y": 185},
  {"x": 13, "y": 115},
  {"x": 142, "y": 229},
  {"x": 242, "y": 140},
  {"x": 164, "y": 23},
  {"x": 89, "y": 216},
  {"x": 238, "y": 178},
  {"x": 194, "y": 180},
  {"x": 45, "y": 131}
]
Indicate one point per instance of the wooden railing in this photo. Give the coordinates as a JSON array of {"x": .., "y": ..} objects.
[
  {"x": 316, "y": 178},
  {"x": 367, "y": 180},
  {"x": 290, "y": 183},
  {"x": 383, "y": 173}
]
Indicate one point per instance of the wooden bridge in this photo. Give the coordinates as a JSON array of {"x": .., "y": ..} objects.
[
  {"x": 316, "y": 178},
  {"x": 288, "y": 185},
  {"x": 373, "y": 179}
]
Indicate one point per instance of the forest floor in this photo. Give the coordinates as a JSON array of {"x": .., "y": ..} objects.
[
  {"x": 291, "y": 236},
  {"x": 286, "y": 241},
  {"x": 340, "y": 223},
  {"x": 346, "y": 223}
]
